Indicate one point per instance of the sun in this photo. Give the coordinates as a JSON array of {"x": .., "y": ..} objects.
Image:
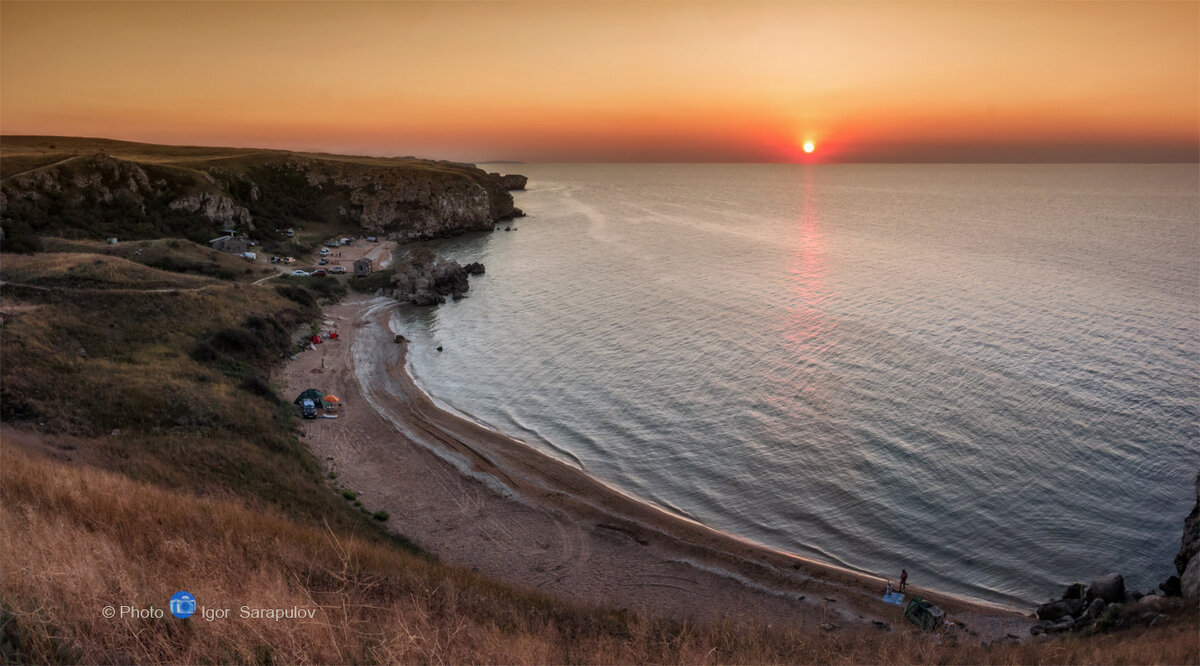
[{"x": 809, "y": 146}]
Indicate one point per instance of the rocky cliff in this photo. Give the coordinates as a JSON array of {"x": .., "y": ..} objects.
[
  {"x": 134, "y": 191},
  {"x": 1187, "y": 561},
  {"x": 423, "y": 278}
]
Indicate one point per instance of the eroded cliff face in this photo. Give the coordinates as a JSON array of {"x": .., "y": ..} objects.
[
  {"x": 408, "y": 201},
  {"x": 99, "y": 195}
]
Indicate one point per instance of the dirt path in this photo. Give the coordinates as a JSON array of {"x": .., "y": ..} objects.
[{"x": 486, "y": 502}]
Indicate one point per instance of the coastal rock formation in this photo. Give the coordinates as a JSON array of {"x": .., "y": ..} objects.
[
  {"x": 153, "y": 191},
  {"x": 426, "y": 279},
  {"x": 1096, "y": 608},
  {"x": 511, "y": 181},
  {"x": 1187, "y": 561},
  {"x": 405, "y": 199}
]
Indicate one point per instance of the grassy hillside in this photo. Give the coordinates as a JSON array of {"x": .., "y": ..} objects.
[
  {"x": 174, "y": 255},
  {"x": 80, "y": 539}
]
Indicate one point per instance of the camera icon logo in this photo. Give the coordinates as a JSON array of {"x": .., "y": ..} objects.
[{"x": 182, "y": 605}]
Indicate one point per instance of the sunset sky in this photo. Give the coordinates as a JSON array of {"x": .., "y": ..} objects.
[{"x": 555, "y": 82}]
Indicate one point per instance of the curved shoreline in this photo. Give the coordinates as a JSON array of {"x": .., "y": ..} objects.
[{"x": 493, "y": 503}]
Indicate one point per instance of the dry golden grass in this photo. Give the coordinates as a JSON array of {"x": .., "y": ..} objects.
[
  {"x": 79, "y": 539},
  {"x": 92, "y": 271},
  {"x": 176, "y": 255},
  {"x": 24, "y": 153}
]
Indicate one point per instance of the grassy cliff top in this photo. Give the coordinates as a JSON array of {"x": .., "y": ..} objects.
[{"x": 24, "y": 153}]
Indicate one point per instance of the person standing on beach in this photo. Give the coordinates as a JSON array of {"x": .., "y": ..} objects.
[{"x": 903, "y": 579}]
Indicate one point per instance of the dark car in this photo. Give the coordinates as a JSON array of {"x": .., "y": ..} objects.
[
  {"x": 320, "y": 272},
  {"x": 324, "y": 261},
  {"x": 308, "y": 409}
]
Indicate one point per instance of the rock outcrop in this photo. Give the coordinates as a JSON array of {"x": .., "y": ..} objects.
[
  {"x": 426, "y": 279},
  {"x": 218, "y": 208},
  {"x": 100, "y": 195},
  {"x": 511, "y": 181},
  {"x": 1187, "y": 562}
]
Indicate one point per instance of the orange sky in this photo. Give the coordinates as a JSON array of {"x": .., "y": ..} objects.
[{"x": 661, "y": 81}]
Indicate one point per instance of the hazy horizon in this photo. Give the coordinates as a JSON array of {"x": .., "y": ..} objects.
[{"x": 617, "y": 82}]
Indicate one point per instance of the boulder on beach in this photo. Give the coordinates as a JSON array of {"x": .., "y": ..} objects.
[
  {"x": 1095, "y": 608},
  {"x": 1056, "y": 609},
  {"x": 1109, "y": 587},
  {"x": 1075, "y": 591}
]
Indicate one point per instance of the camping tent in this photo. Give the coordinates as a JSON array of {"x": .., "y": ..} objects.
[
  {"x": 309, "y": 394},
  {"x": 924, "y": 614},
  {"x": 316, "y": 339}
]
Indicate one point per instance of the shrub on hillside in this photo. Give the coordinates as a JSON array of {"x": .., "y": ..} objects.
[
  {"x": 296, "y": 294},
  {"x": 256, "y": 385},
  {"x": 235, "y": 340},
  {"x": 19, "y": 237}
]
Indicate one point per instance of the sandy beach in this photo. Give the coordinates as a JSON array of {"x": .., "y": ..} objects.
[{"x": 486, "y": 502}]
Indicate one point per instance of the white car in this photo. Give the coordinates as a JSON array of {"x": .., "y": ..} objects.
[
  {"x": 338, "y": 270},
  {"x": 299, "y": 273}
]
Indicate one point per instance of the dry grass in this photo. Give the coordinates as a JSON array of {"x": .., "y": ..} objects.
[
  {"x": 79, "y": 539},
  {"x": 92, "y": 271},
  {"x": 22, "y": 153},
  {"x": 176, "y": 255}
]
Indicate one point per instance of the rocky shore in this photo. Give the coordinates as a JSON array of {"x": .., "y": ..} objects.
[
  {"x": 423, "y": 278},
  {"x": 1105, "y": 604}
]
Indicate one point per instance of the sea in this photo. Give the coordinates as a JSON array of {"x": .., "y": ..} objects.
[{"x": 987, "y": 375}]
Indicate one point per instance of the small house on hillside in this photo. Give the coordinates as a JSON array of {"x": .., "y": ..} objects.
[
  {"x": 228, "y": 244},
  {"x": 363, "y": 267}
]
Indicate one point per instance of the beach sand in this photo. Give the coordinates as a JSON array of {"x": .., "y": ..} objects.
[{"x": 483, "y": 501}]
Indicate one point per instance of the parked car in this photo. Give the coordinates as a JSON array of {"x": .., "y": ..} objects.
[
  {"x": 371, "y": 239},
  {"x": 309, "y": 409},
  {"x": 338, "y": 270},
  {"x": 275, "y": 260},
  {"x": 320, "y": 272},
  {"x": 299, "y": 273},
  {"x": 323, "y": 261},
  {"x": 324, "y": 251}
]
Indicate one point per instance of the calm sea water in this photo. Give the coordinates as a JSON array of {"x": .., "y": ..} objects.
[{"x": 988, "y": 375}]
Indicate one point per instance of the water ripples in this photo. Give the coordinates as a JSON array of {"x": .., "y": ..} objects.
[{"x": 986, "y": 375}]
